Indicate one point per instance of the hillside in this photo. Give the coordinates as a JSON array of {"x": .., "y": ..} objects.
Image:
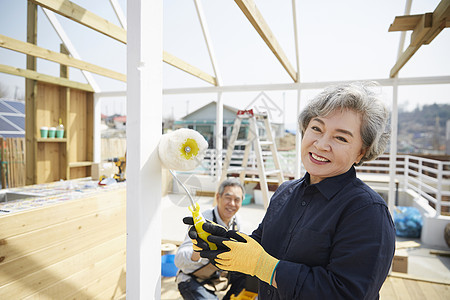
[{"x": 423, "y": 130}]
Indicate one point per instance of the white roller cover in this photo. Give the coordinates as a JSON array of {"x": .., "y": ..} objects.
[{"x": 182, "y": 149}]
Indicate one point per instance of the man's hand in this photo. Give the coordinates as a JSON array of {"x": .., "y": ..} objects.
[
  {"x": 239, "y": 252},
  {"x": 208, "y": 226}
]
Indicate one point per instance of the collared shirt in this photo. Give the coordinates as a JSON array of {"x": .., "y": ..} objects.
[
  {"x": 183, "y": 256},
  {"x": 334, "y": 239}
]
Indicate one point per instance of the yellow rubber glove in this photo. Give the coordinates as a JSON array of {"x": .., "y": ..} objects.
[
  {"x": 245, "y": 255},
  {"x": 198, "y": 243}
]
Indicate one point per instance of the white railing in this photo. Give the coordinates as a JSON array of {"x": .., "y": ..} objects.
[{"x": 429, "y": 178}]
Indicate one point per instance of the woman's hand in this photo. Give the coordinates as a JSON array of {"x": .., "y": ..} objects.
[
  {"x": 239, "y": 252},
  {"x": 198, "y": 243}
]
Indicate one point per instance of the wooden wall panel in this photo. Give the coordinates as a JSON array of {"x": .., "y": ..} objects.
[
  {"x": 42, "y": 217},
  {"x": 16, "y": 246},
  {"x": 75, "y": 249},
  {"x": 47, "y": 106},
  {"x": 77, "y": 126},
  {"x": 80, "y": 172},
  {"x": 53, "y": 160},
  {"x": 48, "y": 162},
  {"x": 65, "y": 268},
  {"x": 65, "y": 288}
]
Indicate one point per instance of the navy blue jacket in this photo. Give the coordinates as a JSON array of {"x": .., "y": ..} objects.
[{"x": 334, "y": 239}]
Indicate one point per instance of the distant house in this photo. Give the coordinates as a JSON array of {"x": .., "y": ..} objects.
[
  {"x": 120, "y": 122},
  {"x": 203, "y": 120},
  {"x": 12, "y": 118}
]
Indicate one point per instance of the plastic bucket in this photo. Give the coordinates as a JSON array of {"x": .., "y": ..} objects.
[
  {"x": 247, "y": 199},
  {"x": 168, "y": 268}
]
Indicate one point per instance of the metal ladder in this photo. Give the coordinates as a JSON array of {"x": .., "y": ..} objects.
[{"x": 253, "y": 139}]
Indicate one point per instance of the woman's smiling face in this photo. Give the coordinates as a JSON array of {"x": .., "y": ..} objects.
[{"x": 332, "y": 144}]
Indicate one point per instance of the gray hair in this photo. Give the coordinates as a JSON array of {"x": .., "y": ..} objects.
[
  {"x": 375, "y": 130},
  {"x": 232, "y": 181}
]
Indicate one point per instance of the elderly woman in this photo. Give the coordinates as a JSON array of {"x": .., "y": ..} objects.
[{"x": 327, "y": 235}]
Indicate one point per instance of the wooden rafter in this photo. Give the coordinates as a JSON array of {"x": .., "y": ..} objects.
[
  {"x": 79, "y": 14},
  {"x": 253, "y": 14},
  {"x": 83, "y": 16},
  {"x": 36, "y": 51},
  {"x": 45, "y": 78},
  {"x": 184, "y": 66},
  {"x": 425, "y": 28}
]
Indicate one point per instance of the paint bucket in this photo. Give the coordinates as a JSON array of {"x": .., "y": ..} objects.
[{"x": 168, "y": 268}]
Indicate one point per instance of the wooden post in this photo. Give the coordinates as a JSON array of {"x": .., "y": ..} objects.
[
  {"x": 64, "y": 170},
  {"x": 144, "y": 127},
  {"x": 30, "y": 94},
  {"x": 2, "y": 163}
]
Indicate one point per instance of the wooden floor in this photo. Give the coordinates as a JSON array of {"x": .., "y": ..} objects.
[{"x": 396, "y": 287}]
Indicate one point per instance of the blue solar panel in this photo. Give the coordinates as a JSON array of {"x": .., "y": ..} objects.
[
  {"x": 19, "y": 105},
  {"x": 15, "y": 114},
  {"x": 18, "y": 120},
  {"x": 12, "y": 135},
  {"x": 5, "y": 126},
  {"x": 4, "y": 108}
]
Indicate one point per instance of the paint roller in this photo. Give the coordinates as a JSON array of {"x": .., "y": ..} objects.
[{"x": 183, "y": 150}]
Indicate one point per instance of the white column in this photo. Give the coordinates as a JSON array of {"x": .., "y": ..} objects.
[
  {"x": 298, "y": 141},
  {"x": 219, "y": 135},
  {"x": 393, "y": 148},
  {"x": 144, "y": 117}
]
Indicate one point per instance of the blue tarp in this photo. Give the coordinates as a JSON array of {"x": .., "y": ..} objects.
[{"x": 408, "y": 221}]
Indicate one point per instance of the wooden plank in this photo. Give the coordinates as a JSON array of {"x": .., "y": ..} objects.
[
  {"x": 404, "y": 58},
  {"x": 440, "y": 253},
  {"x": 36, "y": 51},
  {"x": 35, "y": 261},
  {"x": 184, "y": 66},
  {"x": 429, "y": 291},
  {"x": 439, "y": 17},
  {"x": 418, "y": 278},
  {"x": 400, "y": 289},
  {"x": 406, "y": 244},
  {"x": 109, "y": 286},
  {"x": 421, "y": 30},
  {"x": 18, "y": 246},
  {"x": 45, "y": 78},
  {"x": 252, "y": 13},
  {"x": 23, "y": 162},
  {"x": 80, "y": 164},
  {"x": 89, "y": 130},
  {"x": 79, "y": 172},
  {"x": 30, "y": 92},
  {"x": 52, "y": 274},
  {"x": 70, "y": 285},
  {"x": 414, "y": 290},
  {"x": 2, "y": 163},
  {"x": 442, "y": 290},
  {"x": 47, "y": 140},
  {"x": 31, "y": 220},
  {"x": 403, "y": 23},
  {"x": 83, "y": 16},
  {"x": 48, "y": 162},
  {"x": 76, "y": 124},
  {"x": 387, "y": 291}
]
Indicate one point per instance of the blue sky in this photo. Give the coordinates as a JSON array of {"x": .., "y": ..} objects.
[{"x": 338, "y": 40}]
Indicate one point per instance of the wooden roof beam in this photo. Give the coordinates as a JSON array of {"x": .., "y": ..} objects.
[
  {"x": 36, "y": 51},
  {"x": 184, "y": 66},
  {"x": 80, "y": 15},
  {"x": 252, "y": 13},
  {"x": 425, "y": 28},
  {"x": 45, "y": 78}
]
